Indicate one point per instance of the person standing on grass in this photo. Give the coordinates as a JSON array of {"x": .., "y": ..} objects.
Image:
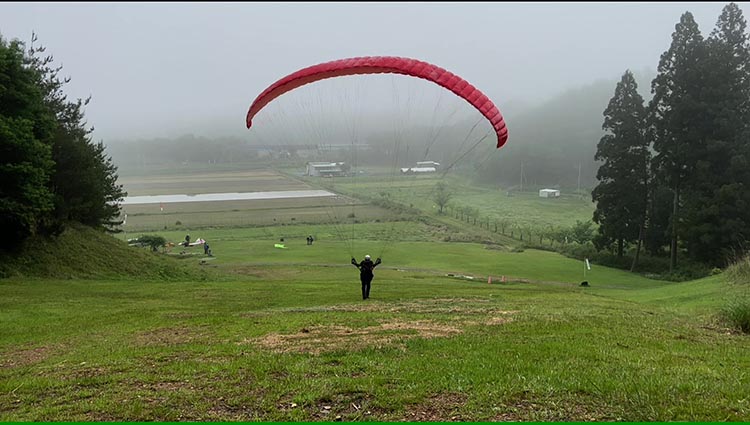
[{"x": 366, "y": 274}]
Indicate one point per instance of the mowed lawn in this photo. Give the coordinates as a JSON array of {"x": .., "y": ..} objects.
[{"x": 283, "y": 335}]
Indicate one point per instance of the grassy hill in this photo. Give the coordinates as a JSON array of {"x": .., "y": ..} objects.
[
  {"x": 283, "y": 335},
  {"x": 84, "y": 253}
]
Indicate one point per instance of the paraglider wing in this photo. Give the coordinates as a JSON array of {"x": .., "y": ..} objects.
[{"x": 385, "y": 65}]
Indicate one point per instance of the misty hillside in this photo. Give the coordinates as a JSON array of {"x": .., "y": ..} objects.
[{"x": 552, "y": 139}]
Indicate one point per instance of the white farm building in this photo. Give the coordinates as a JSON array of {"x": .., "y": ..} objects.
[
  {"x": 325, "y": 169},
  {"x": 418, "y": 170},
  {"x": 549, "y": 193}
]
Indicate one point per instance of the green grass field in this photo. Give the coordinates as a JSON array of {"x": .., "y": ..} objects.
[
  {"x": 283, "y": 335},
  {"x": 93, "y": 330}
]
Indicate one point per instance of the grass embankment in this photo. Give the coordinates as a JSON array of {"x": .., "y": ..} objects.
[
  {"x": 84, "y": 253},
  {"x": 289, "y": 339}
]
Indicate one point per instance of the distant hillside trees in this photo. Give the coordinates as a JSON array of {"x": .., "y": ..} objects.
[
  {"x": 50, "y": 170},
  {"x": 697, "y": 127}
]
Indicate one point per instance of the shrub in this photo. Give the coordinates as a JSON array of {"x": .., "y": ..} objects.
[
  {"x": 152, "y": 241},
  {"x": 739, "y": 272},
  {"x": 737, "y": 313}
]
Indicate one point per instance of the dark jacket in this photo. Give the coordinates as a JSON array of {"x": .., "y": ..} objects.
[{"x": 366, "y": 266}]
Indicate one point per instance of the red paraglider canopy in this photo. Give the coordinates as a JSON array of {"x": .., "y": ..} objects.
[{"x": 385, "y": 65}]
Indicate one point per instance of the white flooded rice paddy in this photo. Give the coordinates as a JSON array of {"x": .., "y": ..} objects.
[{"x": 213, "y": 197}]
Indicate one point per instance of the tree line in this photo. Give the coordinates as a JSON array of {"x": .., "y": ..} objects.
[
  {"x": 675, "y": 175},
  {"x": 51, "y": 172}
]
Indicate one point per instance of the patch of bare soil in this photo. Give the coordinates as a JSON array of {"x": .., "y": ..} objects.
[
  {"x": 343, "y": 406},
  {"x": 180, "y": 396},
  {"x": 254, "y": 271},
  {"x": 82, "y": 371},
  {"x": 223, "y": 411},
  {"x": 26, "y": 356},
  {"x": 444, "y": 407},
  {"x": 437, "y": 305},
  {"x": 323, "y": 338},
  {"x": 527, "y": 409},
  {"x": 318, "y": 339}
]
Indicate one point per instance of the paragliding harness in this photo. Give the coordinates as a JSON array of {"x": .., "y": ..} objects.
[
  {"x": 366, "y": 267},
  {"x": 366, "y": 274}
]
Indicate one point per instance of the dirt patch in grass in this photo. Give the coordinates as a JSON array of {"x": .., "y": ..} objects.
[
  {"x": 225, "y": 411},
  {"x": 263, "y": 272},
  {"x": 27, "y": 356},
  {"x": 169, "y": 336},
  {"x": 342, "y": 406},
  {"x": 493, "y": 320},
  {"x": 443, "y": 407},
  {"x": 447, "y": 407},
  {"x": 526, "y": 408},
  {"x": 319, "y": 339},
  {"x": 438, "y": 305},
  {"x": 460, "y": 313},
  {"x": 179, "y": 316},
  {"x": 81, "y": 371},
  {"x": 257, "y": 272},
  {"x": 202, "y": 397},
  {"x": 96, "y": 416}
]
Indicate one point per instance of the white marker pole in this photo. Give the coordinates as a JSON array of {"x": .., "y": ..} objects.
[{"x": 586, "y": 265}]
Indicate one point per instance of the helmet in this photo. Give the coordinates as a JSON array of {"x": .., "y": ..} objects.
[{"x": 367, "y": 257}]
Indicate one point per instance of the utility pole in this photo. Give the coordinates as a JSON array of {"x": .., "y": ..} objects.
[{"x": 579, "y": 178}]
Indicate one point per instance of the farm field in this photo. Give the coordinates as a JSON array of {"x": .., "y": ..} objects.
[
  {"x": 520, "y": 209},
  {"x": 189, "y": 182},
  {"x": 191, "y": 215}
]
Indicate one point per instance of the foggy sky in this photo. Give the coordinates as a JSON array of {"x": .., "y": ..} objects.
[{"x": 167, "y": 69}]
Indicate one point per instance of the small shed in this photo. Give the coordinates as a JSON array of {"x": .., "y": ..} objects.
[
  {"x": 549, "y": 193},
  {"x": 421, "y": 164},
  {"x": 414, "y": 170},
  {"x": 325, "y": 169}
]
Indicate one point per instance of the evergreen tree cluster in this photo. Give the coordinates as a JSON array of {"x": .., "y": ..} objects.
[
  {"x": 675, "y": 173},
  {"x": 51, "y": 172}
]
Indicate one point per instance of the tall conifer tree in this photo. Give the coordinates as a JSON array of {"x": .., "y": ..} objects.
[{"x": 622, "y": 193}]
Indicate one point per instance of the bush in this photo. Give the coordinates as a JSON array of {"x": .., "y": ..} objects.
[
  {"x": 737, "y": 313},
  {"x": 739, "y": 272},
  {"x": 648, "y": 266},
  {"x": 579, "y": 251},
  {"x": 153, "y": 241}
]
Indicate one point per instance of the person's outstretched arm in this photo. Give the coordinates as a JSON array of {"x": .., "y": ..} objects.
[{"x": 378, "y": 261}]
